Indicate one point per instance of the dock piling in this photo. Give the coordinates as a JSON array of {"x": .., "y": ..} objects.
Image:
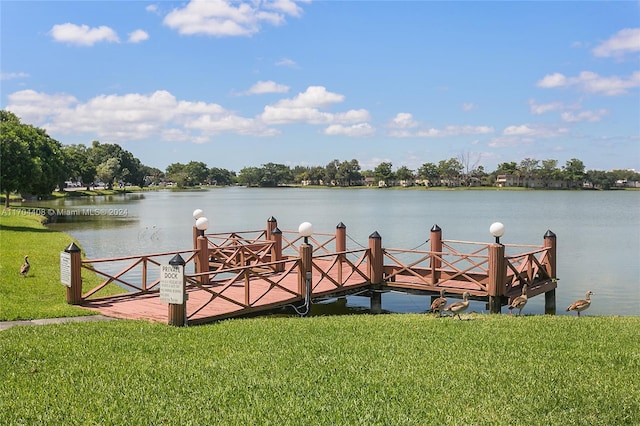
[
  {"x": 497, "y": 277},
  {"x": 74, "y": 291},
  {"x": 550, "y": 296}
]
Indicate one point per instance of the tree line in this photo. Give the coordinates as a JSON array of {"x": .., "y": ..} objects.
[{"x": 32, "y": 162}]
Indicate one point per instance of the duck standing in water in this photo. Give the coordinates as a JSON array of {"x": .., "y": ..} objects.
[
  {"x": 519, "y": 302},
  {"x": 581, "y": 305},
  {"x": 457, "y": 308},
  {"x": 439, "y": 304}
]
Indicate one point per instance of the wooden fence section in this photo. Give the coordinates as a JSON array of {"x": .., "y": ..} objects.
[{"x": 241, "y": 273}]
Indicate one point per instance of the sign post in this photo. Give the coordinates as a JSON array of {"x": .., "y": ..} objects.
[{"x": 173, "y": 290}]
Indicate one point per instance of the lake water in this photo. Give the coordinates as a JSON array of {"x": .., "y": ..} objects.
[{"x": 598, "y": 232}]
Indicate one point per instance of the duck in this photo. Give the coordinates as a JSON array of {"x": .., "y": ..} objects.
[
  {"x": 581, "y": 305},
  {"x": 519, "y": 302},
  {"x": 438, "y": 304},
  {"x": 24, "y": 269},
  {"x": 457, "y": 308}
]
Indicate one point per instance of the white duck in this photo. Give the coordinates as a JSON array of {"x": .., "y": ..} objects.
[
  {"x": 457, "y": 308},
  {"x": 581, "y": 305}
]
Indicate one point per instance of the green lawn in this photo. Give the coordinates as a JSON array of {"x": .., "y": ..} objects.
[
  {"x": 40, "y": 294},
  {"x": 409, "y": 369}
]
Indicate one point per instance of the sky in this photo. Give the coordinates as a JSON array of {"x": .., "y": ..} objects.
[{"x": 242, "y": 84}]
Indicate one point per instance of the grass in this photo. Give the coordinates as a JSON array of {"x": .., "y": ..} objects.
[
  {"x": 40, "y": 294},
  {"x": 406, "y": 369}
]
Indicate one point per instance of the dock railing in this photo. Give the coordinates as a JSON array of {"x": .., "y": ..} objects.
[{"x": 245, "y": 269}]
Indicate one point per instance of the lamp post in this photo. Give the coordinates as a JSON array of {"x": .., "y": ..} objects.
[{"x": 497, "y": 230}]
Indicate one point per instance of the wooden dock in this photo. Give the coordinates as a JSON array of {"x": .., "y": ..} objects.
[{"x": 252, "y": 272}]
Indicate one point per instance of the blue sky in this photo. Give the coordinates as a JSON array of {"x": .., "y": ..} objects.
[{"x": 241, "y": 84}]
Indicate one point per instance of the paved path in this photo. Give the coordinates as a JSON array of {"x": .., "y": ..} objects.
[{"x": 89, "y": 318}]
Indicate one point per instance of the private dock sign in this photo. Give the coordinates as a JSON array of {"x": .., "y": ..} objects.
[{"x": 172, "y": 284}]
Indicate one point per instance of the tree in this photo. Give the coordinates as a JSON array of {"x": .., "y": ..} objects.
[
  {"x": 348, "y": 172},
  {"x": 468, "y": 165},
  {"x": 219, "y": 176},
  {"x": 574, "y": 172},
  {"x": 130, "y": 168},
  {"x": 108, "y": 170},
  {"x": 78, "y": 164},
  {"x": 549, "y": 171},
  {"x": 275, "y": 175},
  {"x": 404, "y": 173},
  {"x": 429, "y": 172},
  {"x": 383, "y": 172},
  {"x": 331, "y": 172},
  {"x": 450, "y": 170},
  {"x": 250, "y": 176},
  {"x": 528, "y": 168},
  {"x": 32, "y": 161},
  {"x": 197, "y": 172}
]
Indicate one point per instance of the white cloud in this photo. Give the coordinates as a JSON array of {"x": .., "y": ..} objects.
[
  {"x": 137, "y": 36},
  {"x": 446, "y": 131},
  {"x": 521, "y": 130},
  {"x": 82, "y": 35},
  {"x": 13, "y": 75},
  {"x": 306, "y": 108},
  {"x": 222, "y": 18},
  {"x": 553, "y": 80},
  {"x": 525, "y": 134},
  {"x": 539, "y": 109},
  {"x": 313, "y": 97},
  {"x": 131, "y": 116},
  {"x": 590, "y": 116},
  {"x": 624, "y": 41},
  {"x": 356, "y": 130},
  {"x": 591, "y": 82},
  {"x": 468, "y": 106},
  {"x": 286, "y": 62},
  {"x": 403, "y": 120},
  {"x": 262, "y": 87}
]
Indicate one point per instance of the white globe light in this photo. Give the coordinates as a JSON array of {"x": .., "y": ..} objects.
[
  {"x": 202, "y": 223},
  {"x": 197, "y": 214},
  {"x": 305, "y": 229},
  {"x": 497, "y": 229}
]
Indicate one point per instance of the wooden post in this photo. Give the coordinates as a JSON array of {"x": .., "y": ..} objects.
[
  {"x": 375, "y": 302},
  {"x": 341, "y": 245},
  {"x": 436, "y": 250},
  {"x": 550, "y": 296},
  {"x": 74, "y": 291},
  {"x": 177, "y": 312},
  {"x": 203, "y": 259},
  {"x": 272, "y": 224},
  {"x": 276, "y": 251},
  {"x": 497, "y": 277},
  {"x": 376, "y": 259},
  {"x": 305, "y": 276},
  {"x": 196, "y": 234},
  {"x": 341, "y": 237}
]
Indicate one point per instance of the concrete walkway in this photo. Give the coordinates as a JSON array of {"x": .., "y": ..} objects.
[{"x": 89, "y": 318}]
